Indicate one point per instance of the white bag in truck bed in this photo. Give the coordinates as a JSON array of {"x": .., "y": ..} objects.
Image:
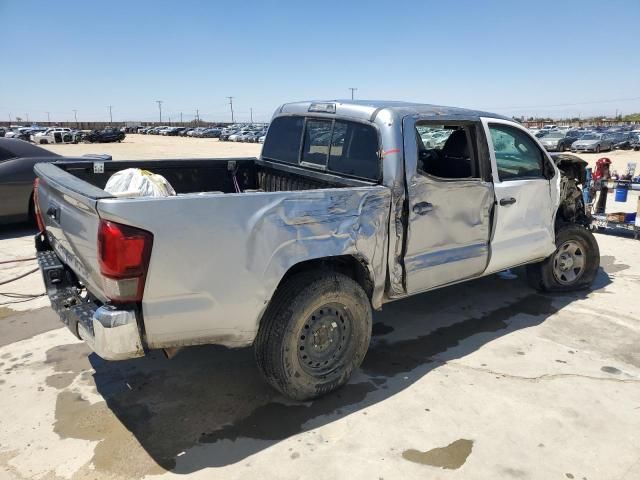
[{"x": 135, "y": 182}]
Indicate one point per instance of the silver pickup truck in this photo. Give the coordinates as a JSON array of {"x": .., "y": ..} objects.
[{"x": 350, "y": 205}]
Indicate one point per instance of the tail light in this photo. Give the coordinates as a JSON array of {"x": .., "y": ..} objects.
[
  {"x": 123, "y": 253},
  {"x": 36, "y": 205}
]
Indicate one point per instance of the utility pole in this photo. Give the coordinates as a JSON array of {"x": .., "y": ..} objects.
[
  {"x": 197, "y": 117},
  {"x": 48, "y": 117},
  {"x": 251, "y": 113},
  {"x": 75, "y": 115},
  {"x": 10, "y": 118},
  {"x": 27, "y": 115},
  {"x": 159, "y": 102},
  {"x": 231, "y": 105},
  {"x": 353, "y": 89},
  {"x": 180, "y": 118},
  {"x": 110, "y": 115}
]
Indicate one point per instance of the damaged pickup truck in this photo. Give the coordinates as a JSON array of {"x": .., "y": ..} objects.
[{"x": 350, "y": 205}]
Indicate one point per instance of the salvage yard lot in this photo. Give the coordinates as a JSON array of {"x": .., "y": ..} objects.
[{"x": 486, "y": 379}]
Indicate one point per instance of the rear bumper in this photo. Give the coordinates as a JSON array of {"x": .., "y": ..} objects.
[{"x": 111, "y": 332}]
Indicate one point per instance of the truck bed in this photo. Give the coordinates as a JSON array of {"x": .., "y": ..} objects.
[
  {"x": 285, "y": 215},
  {"x": 213, "y": 175}
]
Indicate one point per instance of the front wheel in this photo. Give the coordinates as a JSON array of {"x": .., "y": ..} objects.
[
  {"x": 314, "y": 334},
  {"x": 574, "y": 264}
]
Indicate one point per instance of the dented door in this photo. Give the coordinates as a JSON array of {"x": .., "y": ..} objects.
[{"x": 448, "y": 224}]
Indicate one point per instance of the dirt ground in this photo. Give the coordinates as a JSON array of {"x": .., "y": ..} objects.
[
  {"x": 483, "y": 380},
  {"x": 137, "y": 146}
]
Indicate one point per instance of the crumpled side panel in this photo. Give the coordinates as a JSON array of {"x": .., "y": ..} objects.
[{"x": 217, "y": 259}]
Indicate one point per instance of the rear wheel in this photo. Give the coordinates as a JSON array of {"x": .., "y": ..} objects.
[
  {"x": 315, "y": 333},
  {"x": 574, "y": 264}
]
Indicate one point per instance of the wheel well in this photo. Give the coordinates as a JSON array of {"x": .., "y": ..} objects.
[{"x": 346, "y": 264}]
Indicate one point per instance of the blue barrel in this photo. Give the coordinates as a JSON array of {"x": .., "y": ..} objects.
[{"x": 621, "y": 192}]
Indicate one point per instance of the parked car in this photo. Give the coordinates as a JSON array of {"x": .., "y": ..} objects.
[
  {"x": 225, "y": 134},
  {"x": 108, "y": 135},
  {"x": 558, "y": 141},
  {"x": 262, "y": 139},
  {"x": 210, "y": 133},
  {"x": 196, "y": 132},
  {"x": 635, "y": 143},
  {"x": 23, "y": 133},
  {"x": 322, "y": 238},
  {"x": 54, "y": 135},
  {"x": 622, "y": 140},
  {"x": 17, "y": 159},
  {"x": 592, "y": 142}
]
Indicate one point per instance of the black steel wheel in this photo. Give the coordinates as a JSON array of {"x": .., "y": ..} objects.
[{"x": 314, "y": 334}]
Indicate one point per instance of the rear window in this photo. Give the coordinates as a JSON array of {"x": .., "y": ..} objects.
[
  {"x": 354, "y": 150},
  {"x": 338, "y": 146},
  {"x": 283, "y": 141}
]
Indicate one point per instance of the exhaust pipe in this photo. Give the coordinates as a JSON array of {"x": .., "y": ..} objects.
[{"x": 171, "y": 352}]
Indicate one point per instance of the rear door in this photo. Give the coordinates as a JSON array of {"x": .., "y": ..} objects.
[
  {"x": 450, "y": 203},
  {"x": 526, "y": 184},
  {"x": 68, "y": 207}
]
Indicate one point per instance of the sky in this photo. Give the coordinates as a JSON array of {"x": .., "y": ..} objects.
[{"x": 557, "y": 58}]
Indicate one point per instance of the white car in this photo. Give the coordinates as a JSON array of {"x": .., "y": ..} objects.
[
  {"x": 47, "y": 136},
  {"x": 53, "y": 135}
]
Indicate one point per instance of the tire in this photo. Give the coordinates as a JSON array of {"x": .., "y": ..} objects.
[
  {"x": 554, "y": 274},
  {"x": 597, "y": 150},
  {"x": 562, "y": 148},
  {"x": 324, "y": 302},
  {"x": 44, "y": 142}
]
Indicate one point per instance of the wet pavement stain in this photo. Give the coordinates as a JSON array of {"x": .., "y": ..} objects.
[
  {"x": 451, "y": 457},
  {"x": 609, "y": 265},
  {"x": 60, "y": 380},
  {"x": 72, "y": 357},
  {"x": 612, "y": 370},
  {"x": 78, "y": 418},
  {"x": 380, "y": 328},
  {"x": 277, "y": 421},
  {"x": 389, "y": 359}
]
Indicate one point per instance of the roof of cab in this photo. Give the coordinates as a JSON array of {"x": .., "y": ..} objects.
[{"x": 369, "y": 109}]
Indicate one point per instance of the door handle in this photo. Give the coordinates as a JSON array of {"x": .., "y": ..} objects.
[
  {"x": 422, "y": 208},
  {"x": 507, "y": 201}
]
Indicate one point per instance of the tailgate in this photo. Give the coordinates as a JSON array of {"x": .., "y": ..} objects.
[{"x": 68, "y": 207}]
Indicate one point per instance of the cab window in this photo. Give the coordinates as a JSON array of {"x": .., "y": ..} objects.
[
  {"x": 517, "y": 155},
  {"x": 446, "y": 151}
]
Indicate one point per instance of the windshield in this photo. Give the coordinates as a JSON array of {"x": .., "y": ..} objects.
[
  {"x": 554, "y": 135},
  {"x": 589, "y": 136}
]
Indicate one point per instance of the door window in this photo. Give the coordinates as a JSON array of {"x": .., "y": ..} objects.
[{"x": 517, "y": 155}]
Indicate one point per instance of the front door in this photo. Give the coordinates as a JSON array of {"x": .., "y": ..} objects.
[
  {"x": 449, "y": 203},
  {"x": 527, "y": 190}
]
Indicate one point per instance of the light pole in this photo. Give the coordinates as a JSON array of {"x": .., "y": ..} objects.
[
  {"x": 251, "y": 113},
  {"x": 197, "y": 117},
  {"x": 180, "y": 118},
  {"x": 110, "y": 115},
  {"x": 231, "y": 105},
  {"x": 75, "y": 115},
  {"x": 159, "y": 102},
  {"x": 48, "y": 117},
  {"x": 353, "y": 89}
]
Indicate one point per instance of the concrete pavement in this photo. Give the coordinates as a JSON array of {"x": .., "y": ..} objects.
[{"x": 482, "y": 380}]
